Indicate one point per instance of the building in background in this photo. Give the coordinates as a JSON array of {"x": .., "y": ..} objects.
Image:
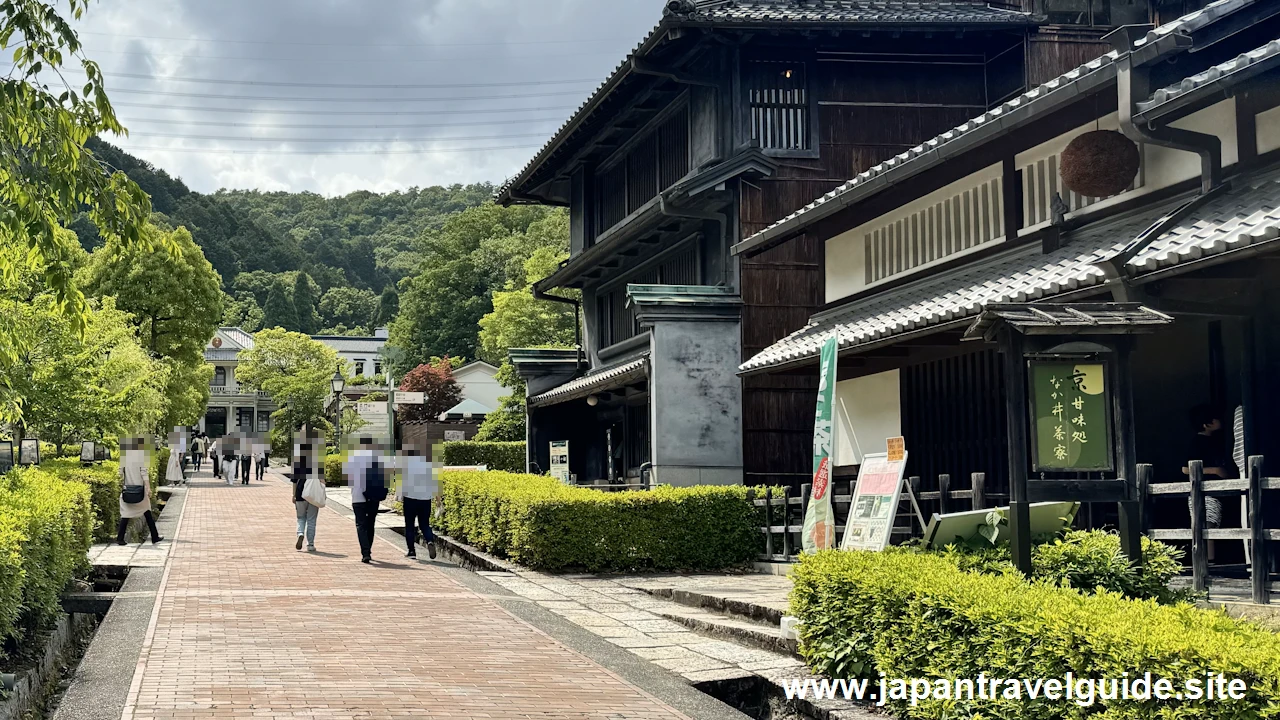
[
  {"x": 362, "y": 355},
  {"x": 231, "y": 407},
  {"x": 478, "y": 383}
]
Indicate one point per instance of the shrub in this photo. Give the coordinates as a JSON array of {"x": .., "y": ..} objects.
[
  {"x": 916, "y": 615},
  {"x": 103, "y": 481},
  {"x": 48, "y": 522},
  {"x": 502, "y": 456},
  {"x": 333, "y": 471},
  {"x": 545, "y": 524},
  {"x": 1087, "y": 560}
]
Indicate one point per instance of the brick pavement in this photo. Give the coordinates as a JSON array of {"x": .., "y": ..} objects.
[{"x": 247, "y": 627}]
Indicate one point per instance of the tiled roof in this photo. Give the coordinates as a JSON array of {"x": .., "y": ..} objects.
[
  {"x": 1039, "y": 99},
  {"x": 342, "y": 343},
  {"x": 600, "y": 380},
  {"x": 724, "y": 12},
  {"x": 1253, "y": 60},
  {"x": 1248, "y": 214},
  {"x": 849, "y": 11},
  {"x": 239, "y": 337}
]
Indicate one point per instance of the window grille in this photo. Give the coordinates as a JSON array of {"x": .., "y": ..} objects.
[{"x": 779, "y": 98}]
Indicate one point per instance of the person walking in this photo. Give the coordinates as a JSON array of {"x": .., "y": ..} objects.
[
  {"x": 246, "y": 460},
  {"x": 365, "y": 469},
  {"x": 260, "y": 458},
  {"x": 214, "y": 450},
  {"x": 173, "y": 470},
  {"x": 135, "y": 489},
  {"x": 418, "y": 486},
  {"x": 304, "y": 468},
  {"x": 197, "y": 451},
  {"x": 229, "y": 445}
]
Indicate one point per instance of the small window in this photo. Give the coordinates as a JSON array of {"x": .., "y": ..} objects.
[
  {"x": 219, "y": 377},
  {"x": 779, "y": 97},
  {"x": 1107, "y": 13},
  {"x": 264, "y": 421},
  {"x": 377, "y": 367}
]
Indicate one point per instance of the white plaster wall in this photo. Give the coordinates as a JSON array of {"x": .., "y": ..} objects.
[
  {"x": 1268, "y": 130},
  {"x": 480, "y": 385},
  {"x": 868, "y": 411},
  {"x": 1165, "y": 166}
]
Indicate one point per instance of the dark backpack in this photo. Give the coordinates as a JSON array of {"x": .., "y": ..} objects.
[{"x": 375, "y": 483}]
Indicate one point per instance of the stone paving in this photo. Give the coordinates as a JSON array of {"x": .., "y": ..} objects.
[{"x": 247, "y": 627}]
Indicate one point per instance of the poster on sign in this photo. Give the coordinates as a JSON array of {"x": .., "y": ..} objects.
[
  {"x": 560, "y": 460},
  {"x": 875, "y": 502}
]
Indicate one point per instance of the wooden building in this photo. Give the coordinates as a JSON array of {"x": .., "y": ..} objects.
[
  {"x": 728, "y": 116},
  {"x": 916, "y": 248}
]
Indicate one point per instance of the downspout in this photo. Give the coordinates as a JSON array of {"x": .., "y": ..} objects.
[
  {"x": 721, "y": 219},
  {"x": 577, "y": 318},
  {"x": 1133, "y": 85}
]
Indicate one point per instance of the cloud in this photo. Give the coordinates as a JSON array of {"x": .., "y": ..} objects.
[{"x": 501, "y": 58}]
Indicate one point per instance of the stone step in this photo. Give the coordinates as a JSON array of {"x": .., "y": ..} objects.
[{"x": 728, "y": 627}]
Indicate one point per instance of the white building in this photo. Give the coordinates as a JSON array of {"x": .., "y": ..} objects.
[
  {"x": 479, "y": 383},
  {"x": 362, "y": 355},
  {"x": 232, "y": 407}
]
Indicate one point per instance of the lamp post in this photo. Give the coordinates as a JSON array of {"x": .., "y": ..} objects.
[{"x": 338, "y": 383}]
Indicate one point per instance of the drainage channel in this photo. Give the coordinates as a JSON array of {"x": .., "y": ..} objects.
[
  {"x": 754, "y": 697},
  {"x": 33, "y": 690}
]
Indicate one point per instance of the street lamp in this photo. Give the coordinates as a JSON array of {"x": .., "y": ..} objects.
[{"x": 338, "y": 383}]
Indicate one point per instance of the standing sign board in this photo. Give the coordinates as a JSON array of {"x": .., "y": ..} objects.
[
  {"x": 87, "y": 454},
  {"x": 6, "y": 456},
  {"x": 875, "y": 503},
  {"x": 1070, "y": 409},
  {"x": 410, "y": 398},
  {"x": 29, "y": 452},
  {"x": 560, "y": 460},
  {"x": 820, "y": 519},
  {"x": 377, "y": 418}
]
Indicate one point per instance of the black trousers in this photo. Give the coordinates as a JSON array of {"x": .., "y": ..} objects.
[
  {"x": 123, "y": 527},
  {"x": 262, "y": 469},
  {"x": 217, "y": 469},
  {"x": 195, "y": 460},
  {"x": 244, "y": 469},
  {"x": 366, "y": 514},
  {"x": 419, "y": 511}
]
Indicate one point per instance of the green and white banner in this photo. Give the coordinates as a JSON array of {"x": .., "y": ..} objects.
[{"x": 820, "y": 520}]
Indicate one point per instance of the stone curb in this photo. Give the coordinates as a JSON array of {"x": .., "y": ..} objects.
[
  {"x": 748, "y": 610},
  {"x": 472, "y": 558},
  {"x": 30, "y": 686},
  {"x": 763, "y": 638}
]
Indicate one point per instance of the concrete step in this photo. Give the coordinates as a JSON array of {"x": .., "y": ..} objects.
[{"x": 735, "y": 629}]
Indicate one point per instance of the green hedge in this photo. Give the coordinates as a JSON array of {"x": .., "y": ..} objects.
[
  {"x": 333, "y": 471},
  {"x": 545, "y": 524},
  {"x": 916, "y": 615},
  {"x": 503, "y": 456},
  {"x": 46, "y": 527},
  {"x": 103, "y": 480}
]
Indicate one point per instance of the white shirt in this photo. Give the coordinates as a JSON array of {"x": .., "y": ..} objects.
[
  {"x": 355, "y": 468},
  {"x": 419, "y": 480}
]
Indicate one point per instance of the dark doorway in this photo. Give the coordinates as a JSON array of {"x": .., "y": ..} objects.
[{"x": 215, "y": 422}]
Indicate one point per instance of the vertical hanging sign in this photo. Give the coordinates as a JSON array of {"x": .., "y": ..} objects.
[{"x": 819, "y": 520}]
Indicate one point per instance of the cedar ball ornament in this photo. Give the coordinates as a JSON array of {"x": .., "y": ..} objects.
[{"x": 1099, "y": 164}]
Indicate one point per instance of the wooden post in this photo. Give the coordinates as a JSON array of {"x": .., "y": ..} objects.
[
  {"x": 944, "y": 493},
  {"x": 1126, "y": 454},
  {"x": 1261, "y": 557},
  {"x": 1015, "y": 392},
  {"x": 768, "y": 523},
  {"x": 786, "y": 523},
  {"x": 1199, "y": 547},
  {"x": 979, "y": 491},
  {"x": 1145, "y": 472}
]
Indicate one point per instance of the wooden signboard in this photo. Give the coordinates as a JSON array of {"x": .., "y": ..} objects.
[
  {"x": 875, "y": 503},
  {"x": 1071, "y": 415}
]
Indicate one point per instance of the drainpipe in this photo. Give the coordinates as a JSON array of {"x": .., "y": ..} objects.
[
  {"x": 721, "y": 219},
  {"x": 577, "y": 317}
]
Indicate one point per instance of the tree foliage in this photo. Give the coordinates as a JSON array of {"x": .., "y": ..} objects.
[
  {"x": 304, "y": 304},
  {"x": 279, "y": 312},
  {"x": 47, "y": 175},
  {"x": 167, "y": 285},
  {"x": 295, "y": 371},
  {"x": 436, "y": 380}
]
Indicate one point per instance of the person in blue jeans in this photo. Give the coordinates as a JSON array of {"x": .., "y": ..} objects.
[{"x": 304, "y": 467}]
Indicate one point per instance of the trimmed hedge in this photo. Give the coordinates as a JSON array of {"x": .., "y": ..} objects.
[
  {"x": 916, "y": 615},
  {"x": 542, "y": 523},
  {"x": 103, "y": 480},
  {"x": 333, "y": 471},
  {"x": 46, "y": 527},
  {"x": 501, "y": 456}
]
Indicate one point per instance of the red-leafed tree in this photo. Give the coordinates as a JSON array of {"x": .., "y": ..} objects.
[{"x": 435, "y": 379}]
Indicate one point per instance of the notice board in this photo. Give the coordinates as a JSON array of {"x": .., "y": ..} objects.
[{"x": 875, "y": 503}]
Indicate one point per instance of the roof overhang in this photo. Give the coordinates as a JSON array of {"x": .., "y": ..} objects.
[{"x": 599, "y": 381}]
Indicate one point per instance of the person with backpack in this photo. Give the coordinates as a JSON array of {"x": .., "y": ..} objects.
[{"x": 366, "y": 472}]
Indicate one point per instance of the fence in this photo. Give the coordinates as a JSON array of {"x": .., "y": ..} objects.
[{"x": 779, "y": 509}]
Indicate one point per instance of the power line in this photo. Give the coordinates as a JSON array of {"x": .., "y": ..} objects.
[
  {"x": 421, "y": 151},
  {"x": 332, "y": 140},
  {"x": 207, "y": 96},
  {"x": 416, "y": 113},
  {"x": 358, "y": 86},
  {"x": 279, "y": 126},
  {"x": 576, "y": 41},
  {"x": 346, "y": 61}
]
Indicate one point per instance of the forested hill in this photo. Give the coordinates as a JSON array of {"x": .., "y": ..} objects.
[{"x": 360, "y": 245}]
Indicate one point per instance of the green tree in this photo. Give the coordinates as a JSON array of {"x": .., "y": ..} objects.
[
  {"x": 304, "y": 304},
  {"x": 295, "y": 371},
  {"x": 166, "y": 284},
  {"x": 279, "y": 312},
  {"x": 520, "y": 320},
  {"x": 242, "y": 311},
  {"x": 47, "y": 176},
  {"x": 186, "y": 392},
  {"x": 388, "y": 307},
  {"x": 348, "y": 308},
  {"x": 507, "y": 423}
]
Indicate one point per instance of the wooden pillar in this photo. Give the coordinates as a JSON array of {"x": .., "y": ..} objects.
[
  {"x": 1261, "y": 555},
  {"x": 768, "y": 523},
  {"x": 786, "y": 523},
  {"x": 1145, "y": 472},
  {"x": 1015, "y": 391},
  {"x": 979, "y": 491},
  {"x": 1126, "y": 452},
  {"x": 1199, "y": 546},
  {"x": 944, "y": 494}
]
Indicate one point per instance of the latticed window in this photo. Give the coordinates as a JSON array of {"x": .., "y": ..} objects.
[
  {"x": 778, "y": 94},
  {"x": 219, "y": 377},
  {"x": 1108, "y": 13}
]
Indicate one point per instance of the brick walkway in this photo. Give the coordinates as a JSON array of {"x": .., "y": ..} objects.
[{"x": 246, "y": 627}]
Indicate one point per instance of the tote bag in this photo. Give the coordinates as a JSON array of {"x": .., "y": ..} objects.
[{"x": 313, "y": 492}]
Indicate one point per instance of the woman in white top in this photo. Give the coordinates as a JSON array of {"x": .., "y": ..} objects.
[
  {"x": 418, "y": 486},
  {"x": 133, "y": 473},
  {"x": 173, "y": 471}
]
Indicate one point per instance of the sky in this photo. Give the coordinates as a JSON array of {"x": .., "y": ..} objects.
[{"x": 334, "y": 96}]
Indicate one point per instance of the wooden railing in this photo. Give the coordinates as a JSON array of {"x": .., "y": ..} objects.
[{"x": 782, "y": 509}]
